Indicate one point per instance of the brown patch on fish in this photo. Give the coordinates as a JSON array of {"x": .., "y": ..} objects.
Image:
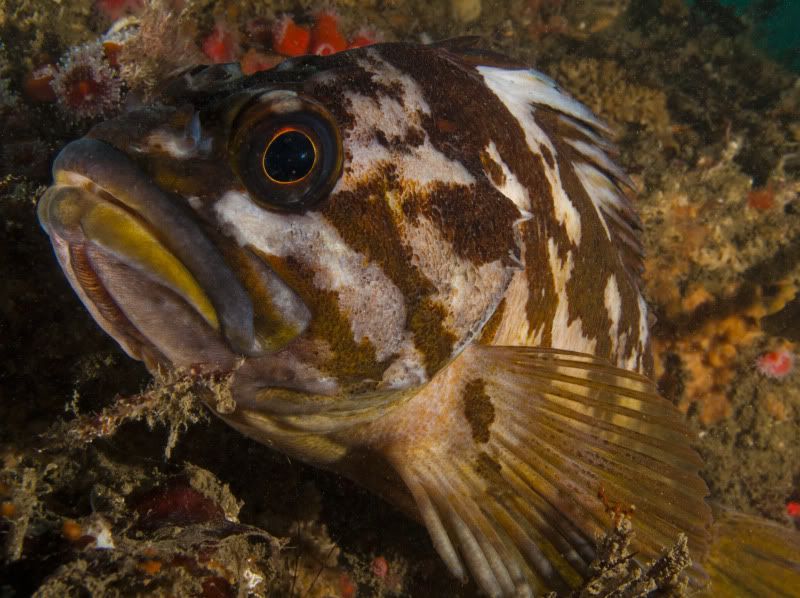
[
  {"x": 490, "y": 328},
  {"x": 463, "y": 105},
  {"x": 548, "y": 156},
  {"x": 346, "y": 358},
  {"x": 478, "y": 409},
  {"x": 434, "y": 342},
  {"x": 340, "y": 77},
  {"x": 366, "y": 223},
  {"x": 542, "y": 303},
  {"x": 489, "y": 469},
  {"x": 445, "y": 126},
  {"x": 595, "y": 259},
  {"x": 414, "y": 137},
  {"x": 493, "y": 169},
  {"x": 476, "y": 220}
]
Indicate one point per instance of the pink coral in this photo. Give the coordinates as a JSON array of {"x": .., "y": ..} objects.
[
  {"x": 380, "y": 567},
  {"x": 85, "y": 84},
  {"x": 222, "y": 44},
  {"x": 776, "y": 364}
]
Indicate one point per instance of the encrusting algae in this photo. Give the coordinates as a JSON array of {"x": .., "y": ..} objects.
[{"x": 98, "y": 500}]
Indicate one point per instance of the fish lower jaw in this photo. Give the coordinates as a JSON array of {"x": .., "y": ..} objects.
[
  {"x": 81, "y": 212},
  {"x": 151, "y": 322},
  {"x": 135, "y": 289}
]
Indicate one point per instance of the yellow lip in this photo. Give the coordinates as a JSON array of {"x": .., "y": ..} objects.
[{"x": 64, "y": 208}]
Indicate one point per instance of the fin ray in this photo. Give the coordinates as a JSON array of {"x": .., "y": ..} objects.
[
  {"x": 493, "y": 546},
  {"x": 753, "y": 557},
  {"x": 604, "y": 462},
  {"x": 514, "y": 491},
  {"x": 564, "y": 537},
  {"x": 433, "y": 521}
]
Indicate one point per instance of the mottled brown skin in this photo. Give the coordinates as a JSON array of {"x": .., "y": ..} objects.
[
  {"x": 467, "y": 133},
  {"x": 367, "y": 225}
]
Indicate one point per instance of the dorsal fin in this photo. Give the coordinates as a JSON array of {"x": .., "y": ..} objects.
[
  {"x": 469, "y": 50},
  {"x": 608, "y": 186},
  {"x": 583, "y": 141}
]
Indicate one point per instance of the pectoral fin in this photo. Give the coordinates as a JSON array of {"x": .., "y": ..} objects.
[
  {"x": 752, "y": 557},
  {"x": 522, "y": 456}
]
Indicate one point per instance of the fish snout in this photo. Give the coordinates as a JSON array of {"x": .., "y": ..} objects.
[{"x": 144, "y": 266}]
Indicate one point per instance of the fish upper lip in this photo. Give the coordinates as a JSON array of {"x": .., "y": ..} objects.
[{"x": 94, "y": 162}]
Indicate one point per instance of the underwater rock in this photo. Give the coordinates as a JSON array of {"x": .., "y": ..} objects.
[{"x": 465, "y": 11}]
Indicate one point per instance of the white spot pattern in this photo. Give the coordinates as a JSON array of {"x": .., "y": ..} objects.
[
  {"x": 566, "y": 334},
  {"x": 613, "y": 303},
  {"x": 511, "y": 188},
  {"x": 420, "y": 165}
]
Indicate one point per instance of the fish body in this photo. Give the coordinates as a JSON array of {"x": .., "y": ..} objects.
[{"x": 422, "y": 269}]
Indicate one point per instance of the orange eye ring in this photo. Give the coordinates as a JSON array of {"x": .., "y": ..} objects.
[
  {"x": 287, "y": 154},
  {"x": 286, "y": 150}
]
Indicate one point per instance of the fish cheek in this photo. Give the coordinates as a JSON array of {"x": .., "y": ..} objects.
[
  {"x": 343, "y": 358},
  {"x": 366, "y": 223}
]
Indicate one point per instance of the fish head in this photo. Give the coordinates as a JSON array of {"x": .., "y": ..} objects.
[{"x": 306, "y": 226}]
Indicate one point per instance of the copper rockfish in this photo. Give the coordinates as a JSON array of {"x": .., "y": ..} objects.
[{"x": 421, "y": 267}]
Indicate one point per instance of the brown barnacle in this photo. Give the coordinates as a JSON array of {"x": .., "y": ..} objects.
[
  {"x": 71, "y": 530},
  {"x": 8, "y": 509},
  {"x": 150, "y": 566}
]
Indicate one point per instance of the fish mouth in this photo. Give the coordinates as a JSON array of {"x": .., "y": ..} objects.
[{"x": 146, "y": 270}]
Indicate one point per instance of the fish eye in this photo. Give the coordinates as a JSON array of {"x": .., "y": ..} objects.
[
  {"x": 286, "y": 151},
  {"x": 289, "y": 157}
]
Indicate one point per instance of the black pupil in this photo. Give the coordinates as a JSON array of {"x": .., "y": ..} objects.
[{"x": 289, "y": 157}]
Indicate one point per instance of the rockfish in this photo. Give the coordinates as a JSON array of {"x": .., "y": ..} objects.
[{"x": 421, "y": 266}]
